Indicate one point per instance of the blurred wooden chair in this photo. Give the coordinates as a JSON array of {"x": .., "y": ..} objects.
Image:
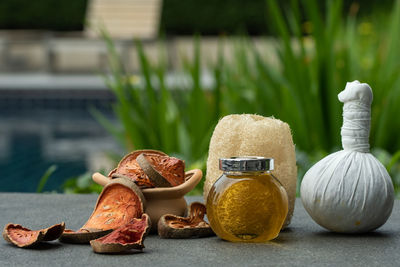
[{"x": 124, "y": 19}]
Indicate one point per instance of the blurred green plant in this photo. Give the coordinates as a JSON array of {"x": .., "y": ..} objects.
[
  {"x": 43, "y": 180},
  {"x": 316, "y": 56},
  {"x": 82, "y": 184},
  {"x": 392, "y": 164},
  {"x": 151, "y": 116}
]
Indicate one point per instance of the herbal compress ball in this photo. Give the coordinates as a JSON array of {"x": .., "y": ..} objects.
[
  {"x": 253, "y": 135},
  {"x": 350, "y": 191}
]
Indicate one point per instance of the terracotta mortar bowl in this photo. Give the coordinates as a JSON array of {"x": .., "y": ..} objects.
[{"x": 163, "y": 200}]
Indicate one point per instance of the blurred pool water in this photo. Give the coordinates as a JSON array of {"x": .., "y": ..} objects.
[{"x": 40, "y": 128}]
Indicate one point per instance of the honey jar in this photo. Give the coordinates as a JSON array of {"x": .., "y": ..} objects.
[{"x": 247, "y": 203}]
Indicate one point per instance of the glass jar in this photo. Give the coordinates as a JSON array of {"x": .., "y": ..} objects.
[{"x": 247, "y": 203}]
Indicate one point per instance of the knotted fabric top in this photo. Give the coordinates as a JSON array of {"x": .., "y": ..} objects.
[{"x": 357, "y": 99}]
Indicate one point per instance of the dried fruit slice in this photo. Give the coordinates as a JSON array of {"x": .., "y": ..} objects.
[
  {"x": 126, "y": 237},
  {"x": 164, "y": 171},
  {"x": 82, "y": 236},
  {"x": 155, "y": 177},
  {"x": 24, "y": 237},
  {"x": 171, "y": 226},
  {"x": 128, "y": 167},
  {"x": 119, "y": 202}
]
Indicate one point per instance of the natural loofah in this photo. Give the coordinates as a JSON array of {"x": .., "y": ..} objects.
[{"x": 254, "y": 135}]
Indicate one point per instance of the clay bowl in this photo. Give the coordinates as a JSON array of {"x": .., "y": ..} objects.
[{"x": 163, "y": 200}]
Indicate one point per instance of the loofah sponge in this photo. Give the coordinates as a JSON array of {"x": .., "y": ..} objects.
[{"x": 254, "y": 135}]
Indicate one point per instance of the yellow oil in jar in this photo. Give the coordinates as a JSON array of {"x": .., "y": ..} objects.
[{"x": 249, "y": 207}]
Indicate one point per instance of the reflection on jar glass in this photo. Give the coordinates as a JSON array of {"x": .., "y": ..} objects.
[{"x": 247, "y": 203}]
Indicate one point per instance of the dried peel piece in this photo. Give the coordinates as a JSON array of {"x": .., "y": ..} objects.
[
  {"x": 126, "y": 237},
  {"x": 24, "y": 237},
  {"x": 82, "y": 236},
  {"x": 129, "y": 167},
  {"x": 172, "y": 226},
  {"x": 163, "y": 171},
  {"x": 155, "y": 177},
  {"x": 134, "y": 173},
  {"x": 119, "y": 202}
]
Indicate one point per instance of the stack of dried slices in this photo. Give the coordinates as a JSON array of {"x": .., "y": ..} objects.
[{"x": 150, "y": 168}]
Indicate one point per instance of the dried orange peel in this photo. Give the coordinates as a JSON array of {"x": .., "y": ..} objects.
[
  {"x": 129, "y": 168},
  {"x": 127, "y": 237},
  {"x": 172, "y": 226},
  {"x": 119, "y": 202},
  {"x": 163, "y": 171},
  {"x": 23, "y": 237}
]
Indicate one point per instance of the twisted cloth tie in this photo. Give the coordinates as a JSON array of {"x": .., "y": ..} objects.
[{"x": 356, "y": 126}]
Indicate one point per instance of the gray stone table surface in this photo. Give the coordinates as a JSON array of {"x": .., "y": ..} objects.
[{"x": 303, "y": 244}]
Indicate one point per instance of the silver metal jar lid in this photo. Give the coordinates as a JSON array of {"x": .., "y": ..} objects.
[{"x": 246, "y": 164}]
